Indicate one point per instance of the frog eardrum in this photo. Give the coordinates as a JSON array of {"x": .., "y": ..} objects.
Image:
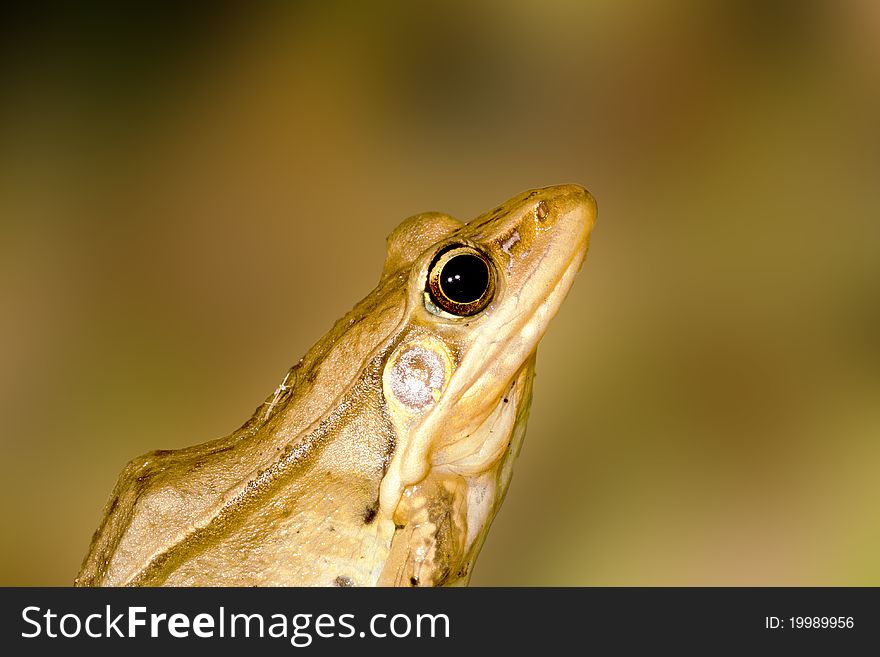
[{"x": 384, "y": 454}]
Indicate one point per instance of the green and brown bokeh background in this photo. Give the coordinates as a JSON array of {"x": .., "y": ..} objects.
[{"x": 189, "y": 200}]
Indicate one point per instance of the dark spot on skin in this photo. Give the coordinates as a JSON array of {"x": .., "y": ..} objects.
[
  {"x": 333, "y": 529},
  {"x": 343, "y": 582},
  {"x": 414, "y": 581},
  {"x": 505, "y": 400},
  {"x": 386, "y": 458},
  {"x": 370, "y": 512},
  {"x": 220, "y": 450},
  {"x": 162, "y": 452},
  {"x": 396, "y": 526}
]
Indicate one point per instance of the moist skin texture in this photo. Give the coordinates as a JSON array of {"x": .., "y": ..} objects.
[{"x": 383, "y": 455}]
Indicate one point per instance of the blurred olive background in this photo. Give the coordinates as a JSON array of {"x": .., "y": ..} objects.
[{"x": 189, "y": 198}]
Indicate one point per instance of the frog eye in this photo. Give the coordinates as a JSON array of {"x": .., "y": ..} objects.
[{"x": 461, "y": 281}]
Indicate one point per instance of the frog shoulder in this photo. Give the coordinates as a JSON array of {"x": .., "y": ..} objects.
[{"x": 148, "y": 494}]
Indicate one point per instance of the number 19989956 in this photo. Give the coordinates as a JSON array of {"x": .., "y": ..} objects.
[{"x": 820, "y": 622}]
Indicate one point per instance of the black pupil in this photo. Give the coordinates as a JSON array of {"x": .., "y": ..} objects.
[{"x": 464, "y": 278}]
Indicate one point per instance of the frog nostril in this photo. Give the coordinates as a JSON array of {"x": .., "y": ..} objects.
[{"x": 541, "y": 211}]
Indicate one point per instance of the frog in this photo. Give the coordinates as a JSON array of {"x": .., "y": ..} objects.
[{"x": 383, "y": 456}]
